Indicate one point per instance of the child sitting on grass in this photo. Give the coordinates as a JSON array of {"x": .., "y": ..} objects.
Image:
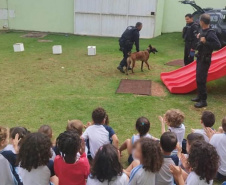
[
  {"x": 191, "y": 138},
  {"x": 33, "y": 158},
  {"x": 219, "y": 142},
  {"x": 75, "y": 125},
  {"x": 8, "y": 154},
  {"x": 168, "y": 142},
  {"x": 207, "y": 120},
  {"x": 204, "y": 162},
  {"x": 142, "y": 126},
  {"x": 21, "y": 131},
  {"x": 69, "y": 168},
  {"x": 99, "y": 134},
  {"x": 106, "y": 168},
  {"x": 148, "y": 152},
  {"x": 47, "y": 130},
  {"x": 174, "y": 119}
]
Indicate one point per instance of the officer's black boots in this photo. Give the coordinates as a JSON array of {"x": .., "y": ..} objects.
[
  {"x": 197, "y": 99},
  {"x": 200, "y": 104},
  {"x": 120, "y": 69}
]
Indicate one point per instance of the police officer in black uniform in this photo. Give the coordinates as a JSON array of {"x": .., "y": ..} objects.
[
  {"x": 130, "y": 36},
  {"x": 190, "y": 32},
  {"x": 208, "y": 41}
]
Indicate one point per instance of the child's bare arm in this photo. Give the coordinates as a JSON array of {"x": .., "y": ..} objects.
[
  {"x": 177, "y": 174},
  {"x": 115, "y": 140},
  {"x": 161, "y": 119}
]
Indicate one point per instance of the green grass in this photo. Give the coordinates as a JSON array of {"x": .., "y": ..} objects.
[{"x": 35, "y": 90}]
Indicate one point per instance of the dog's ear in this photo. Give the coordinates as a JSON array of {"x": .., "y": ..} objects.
[{"x": 150, "y": 46}]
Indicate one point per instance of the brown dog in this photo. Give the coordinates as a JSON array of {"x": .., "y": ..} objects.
[{"x": 143, "y": 56}]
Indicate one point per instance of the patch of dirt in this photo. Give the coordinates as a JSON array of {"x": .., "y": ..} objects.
[
  {"x": 45, "y": 40},
  {"x": 35, "y": 35},
  {"x": 177, "y": 62},
  {"x": 157, "y": 89}
]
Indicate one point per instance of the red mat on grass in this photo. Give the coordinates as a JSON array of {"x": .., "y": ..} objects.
[
  {"x": 140, "y": 87},
  {"x": 178, "y": 62}
]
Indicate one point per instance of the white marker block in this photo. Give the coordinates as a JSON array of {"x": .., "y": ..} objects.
[
  {"x": 57, "y": 49},
  {"x": 91, "y": 50},
  {"x": 18, "y": 47}
]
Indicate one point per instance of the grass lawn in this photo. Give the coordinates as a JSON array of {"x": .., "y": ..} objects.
[{"x": 36, "y": 90}]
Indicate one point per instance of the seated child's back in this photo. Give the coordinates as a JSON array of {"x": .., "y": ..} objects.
[
  {"x": 98, "y": 134},
  {"x": 174, "y": 118},
  {"x": 168, "y": 142},
  {"x": 219, "y": 142},
  {"x": 148, "y": 152},
  {"x": 207, "y": 120},
  {"x": 33, "y": 157},
  {"x": 69, "y": 168}
]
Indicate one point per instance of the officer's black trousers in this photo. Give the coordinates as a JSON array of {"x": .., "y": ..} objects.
[
  {"x": 202, "y": 69},
  {"x": 187, "y": 58},
  {"x": 125, "y": 51}
]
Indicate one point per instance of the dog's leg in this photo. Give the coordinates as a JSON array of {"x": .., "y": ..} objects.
[
  {"x": 133, "y": 65},
  {"x": 128, "y": 64},
  {"x": 146, "y": 62},
  {"x": 142, "y": 64}
]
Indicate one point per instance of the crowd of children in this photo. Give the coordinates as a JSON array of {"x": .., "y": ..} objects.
[{"x": 93, "y": 157}]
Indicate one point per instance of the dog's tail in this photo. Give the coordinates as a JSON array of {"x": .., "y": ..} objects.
[{"x": 129, "y": 54}]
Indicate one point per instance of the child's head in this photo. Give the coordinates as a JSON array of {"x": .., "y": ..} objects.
[
  {"x": 168, "y": 141},
  {"x": 208, "y": 119},
  {"x": 191, "y": 138},
  {"x": 106, "y": 164},
  {"x": 75, "y": 125},
  {"x": 21, "y": 131},
  {"x": 47, "y": 130},
  {"x": 174, "y": 117},
  {"x": 34, "y": 151},
  {"x": 149, "y": 153},
  {"x": 99, "y": 115},
  {"x": 142, "y": 126},
  {"x": 68, "y": 144},
  {"x": 204, "y": 160},
  {"x": 4, "y": 137},
  {"x": 224, "y": 124}
]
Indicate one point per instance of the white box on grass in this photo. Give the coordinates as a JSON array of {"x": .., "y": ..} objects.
[
  {"x": 57, "y": 49},
  {"x": 91, "y": 50},
  {"x": 18, "y": 47}
]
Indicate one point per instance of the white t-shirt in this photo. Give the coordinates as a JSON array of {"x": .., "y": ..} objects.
[
  {"x": 98, "y": 135},
  {"x": 39, "y": 176},
  {"x": 139, "y": 176},
  {"x": 202, "y": 132},
  {"x": 194, "y": 179},
  {"x": 10, "y": 147},
  {"x": 137, "y": 137},
  {"x": 119, "y": 180},
  {"x": 6, "y": 175},
  {"x": 164, "y": 176},
  {"x": 219, "y": 142},
  {"x": 180, "y": 132}
]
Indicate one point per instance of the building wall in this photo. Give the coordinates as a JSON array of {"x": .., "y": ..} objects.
[
  {"x": 174, "y": 11},
  {"x": 159, "y": 17},
  {"x": 42, "y": 15},
  {"x": 58, "y": 15},
  {"x": 3, "y": 7}
]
